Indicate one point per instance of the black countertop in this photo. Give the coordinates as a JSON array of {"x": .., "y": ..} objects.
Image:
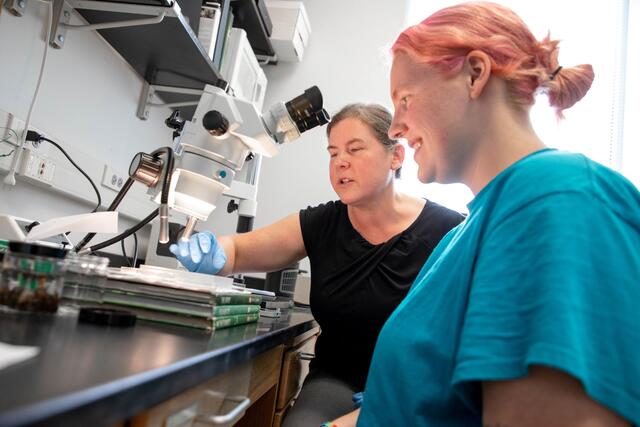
[{"x": 90, "y": 375}]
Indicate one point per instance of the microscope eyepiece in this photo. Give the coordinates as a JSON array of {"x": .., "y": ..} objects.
[
  {"x": 306, "y": 110},
  {"x": 318, "y": 119}
]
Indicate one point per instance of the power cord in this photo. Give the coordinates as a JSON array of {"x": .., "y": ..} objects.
[
  {"x": 128, "y": 232},
  {"x": 36, "y": 137},
  {"x": 135, "y": 250},
  {"x": 10, "y": 179},
  {"x": 124, "y": 251}
]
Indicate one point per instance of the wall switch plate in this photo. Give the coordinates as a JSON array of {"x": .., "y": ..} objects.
[{"x": 112, "y": 178}]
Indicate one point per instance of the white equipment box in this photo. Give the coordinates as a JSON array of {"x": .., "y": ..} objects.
[
  {"x": 291, "y": 29},
  {"x": 241, "y": 69}
]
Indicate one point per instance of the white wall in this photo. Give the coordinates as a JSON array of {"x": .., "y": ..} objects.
[
  {"x": 346, "y": 59},
  {"x": 87, "y": 103}
]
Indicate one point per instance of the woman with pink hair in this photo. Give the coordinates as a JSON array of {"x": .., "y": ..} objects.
[{"x": 526, "y": 313}]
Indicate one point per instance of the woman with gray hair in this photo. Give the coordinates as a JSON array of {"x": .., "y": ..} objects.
[{"x": 365, "y": 251}]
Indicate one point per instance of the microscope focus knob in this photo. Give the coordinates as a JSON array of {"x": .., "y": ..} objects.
[
  {"x": 215, "y": 123},
  {"x": 232, "y": 206}
]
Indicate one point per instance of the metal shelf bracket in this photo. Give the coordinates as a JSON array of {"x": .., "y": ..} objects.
[
  {"x": 16, "y": 7},
  {"x": 62, "y": 14},
  {"x": 147, "y": 98}
]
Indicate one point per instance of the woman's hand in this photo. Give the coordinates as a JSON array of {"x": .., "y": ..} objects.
[{"x": 201, "y": 253}]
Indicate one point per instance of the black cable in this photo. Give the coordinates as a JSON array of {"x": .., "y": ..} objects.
[
  {"x": 169, "y": 169},
  {"x": 114, "y": 204},
  {"x": 125, "y": 233},
  {"x": 34, "y": 136},
  {"x": 135, "y": 251},
  {"x": 125, "y": 188},
  {"x": 124, "y": 251}
]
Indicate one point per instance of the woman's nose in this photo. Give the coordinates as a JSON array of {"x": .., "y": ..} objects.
[{"x": 343, "y": 162}]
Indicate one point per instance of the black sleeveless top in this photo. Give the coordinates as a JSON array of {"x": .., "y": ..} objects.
[{"x": 355, "y": 285}]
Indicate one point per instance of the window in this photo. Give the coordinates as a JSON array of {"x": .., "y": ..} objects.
[{"x": 604, "y": 124}]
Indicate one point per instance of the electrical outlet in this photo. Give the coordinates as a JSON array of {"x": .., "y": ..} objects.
[
  {"x": 112, "y": 178},
  {"x": 36, "y": 168},
  {"x": 46, "y": 167},
  {"x": 47, "y": 171}
]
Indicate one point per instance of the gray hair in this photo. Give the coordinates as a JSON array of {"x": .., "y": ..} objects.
[{"x": 374, "y": 116}]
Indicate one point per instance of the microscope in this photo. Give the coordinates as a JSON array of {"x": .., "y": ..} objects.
[{"x": 208, "y": 152}]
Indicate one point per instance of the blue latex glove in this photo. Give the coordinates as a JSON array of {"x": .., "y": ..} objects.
[
  {"x": 357, "y": 399},
  {"x": 201, "y": 254}
]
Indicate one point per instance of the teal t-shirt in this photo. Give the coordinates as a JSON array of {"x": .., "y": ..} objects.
[{"x": 544, "y": 271}]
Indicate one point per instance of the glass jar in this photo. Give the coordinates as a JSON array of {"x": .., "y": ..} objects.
[
  {"x": 32, "y": 277},
  {"x": 84, "y": 280}
]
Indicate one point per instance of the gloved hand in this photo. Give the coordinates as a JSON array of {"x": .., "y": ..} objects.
[
  {"x": 357, "y": 399},
  {"x": 201, "y": 254}
]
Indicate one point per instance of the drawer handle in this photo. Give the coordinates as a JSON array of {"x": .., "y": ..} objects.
[
  {"x": 306, "y": 356},
  {"x": 232, "y": 416}
]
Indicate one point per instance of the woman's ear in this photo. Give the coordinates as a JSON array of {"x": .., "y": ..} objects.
[
  {"x": 398, "y": 156},
  {"x": 478, "y": 67}
]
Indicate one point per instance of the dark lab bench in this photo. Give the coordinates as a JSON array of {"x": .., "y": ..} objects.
[{"x": 90, "y": 375}]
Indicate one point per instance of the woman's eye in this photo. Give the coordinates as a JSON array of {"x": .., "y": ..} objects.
[{"x": 404, "y": 101}]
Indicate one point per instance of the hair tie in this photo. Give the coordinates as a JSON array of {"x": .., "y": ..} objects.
[{"x": 556, "y": 71}]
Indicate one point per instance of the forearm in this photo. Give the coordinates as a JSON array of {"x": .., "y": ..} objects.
[
  {"x": 545, "y": 397},
  {"x": 245, "y": 255},
  {"x": 229, "y": 246},
  {"x": 348, "y": 420},
  {"x": 265, "y": 249}
]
